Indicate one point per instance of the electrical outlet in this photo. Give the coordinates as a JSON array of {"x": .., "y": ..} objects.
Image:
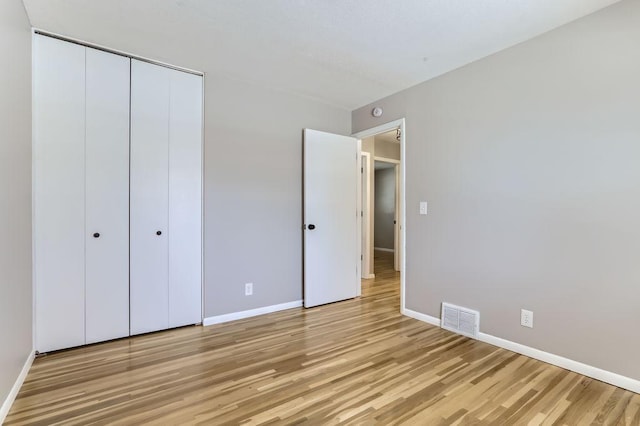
[
  {"x": 526, "y": 318},
  {"x": 248, "y": 289}
]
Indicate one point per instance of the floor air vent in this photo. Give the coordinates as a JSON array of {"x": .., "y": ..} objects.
[{"x": 460, "y": 320}]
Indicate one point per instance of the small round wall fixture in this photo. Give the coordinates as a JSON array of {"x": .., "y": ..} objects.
[{"x": 376, "y": 112}]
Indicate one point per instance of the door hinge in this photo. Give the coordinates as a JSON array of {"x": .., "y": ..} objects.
[
  {"x": 361, "y": 213},
  {"x": 361, "y": 169},
  {"x": 361, "y": 257}
]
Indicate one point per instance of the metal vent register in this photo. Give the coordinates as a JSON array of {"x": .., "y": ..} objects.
[{"x": 460, "y": 320}]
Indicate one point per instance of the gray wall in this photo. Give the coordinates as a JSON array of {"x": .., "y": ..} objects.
[
  {"x": 253, "y": 192},
  {"x": 15, "y": 193},
  {"x": 530, "y": 161},
  {"x": 385, "y": 207}
]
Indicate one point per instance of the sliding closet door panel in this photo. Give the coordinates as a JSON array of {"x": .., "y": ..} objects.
[
  {"x": 107, "y": 196},
  {"x": 185, "y": 200},
  {"x": 59, "y": 176},
  {"x": 149, "y": 290}
]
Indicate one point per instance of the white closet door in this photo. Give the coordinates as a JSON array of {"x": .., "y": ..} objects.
[
  {"x": 107, "y": 196},
  {"x": 185, "y": 199},
  {"x": 149, "y": 292},
  {"x": 59, "y": 189}
]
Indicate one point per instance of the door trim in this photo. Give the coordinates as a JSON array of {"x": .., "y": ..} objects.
[
  {"x": 386, "y": 160},
  {"x": 400, "y": 123},
  {"x": 114, "y": 51},
  {"x": 366, "y": 218}
]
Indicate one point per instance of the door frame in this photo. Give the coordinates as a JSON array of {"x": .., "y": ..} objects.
[
  {"x": 396, "y": 124},
  {"x": 366, "y": 216}
]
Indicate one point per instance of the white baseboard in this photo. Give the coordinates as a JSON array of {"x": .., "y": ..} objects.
[
  {"x": 368, "y": 276},
  {"x": 586, "y": 370},
  {"x": 384, "y": 249},
  {"x": 422, "y": 317},
  {"x": 566, "y": 363},
  {"x": 8, "y": 402},
  {"x": 251, "y": 313}
]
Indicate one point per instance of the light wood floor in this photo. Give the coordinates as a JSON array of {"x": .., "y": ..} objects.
[{"x": 353, "y": 362}]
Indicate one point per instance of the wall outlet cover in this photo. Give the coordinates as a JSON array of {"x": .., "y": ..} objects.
[{"x": 526, "y": 318}]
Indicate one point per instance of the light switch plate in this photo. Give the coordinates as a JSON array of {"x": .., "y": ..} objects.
[{"x": 423, "y": 207}]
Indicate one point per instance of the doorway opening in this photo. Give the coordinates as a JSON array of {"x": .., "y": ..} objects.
[
  {"x": 382, "y": 201},
  {"x": 385, "y": 208}
]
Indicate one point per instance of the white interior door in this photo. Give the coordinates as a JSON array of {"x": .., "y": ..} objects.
[
  {"x": 185, "y": 199},
  {"x": 331, "y": 245},
  {"x": 149, "y": 285},
  {"x": 59, "y": 191},
  {"x": 107, "y": 196}
]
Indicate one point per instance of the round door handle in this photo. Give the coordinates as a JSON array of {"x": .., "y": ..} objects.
[
  {"x": 158, "y": 232},
  {"x": 96, "y": 235},
  {"x": 312, "y": 226}
]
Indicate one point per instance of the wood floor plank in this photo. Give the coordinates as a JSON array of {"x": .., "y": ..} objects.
[{"x": 356, "y": 362}]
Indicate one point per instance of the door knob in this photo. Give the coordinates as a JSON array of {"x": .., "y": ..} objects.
[
  {"x": 96, "y": 235},
  {"x": 158, "y": 232},
  {"x": 312, "y": 226}
]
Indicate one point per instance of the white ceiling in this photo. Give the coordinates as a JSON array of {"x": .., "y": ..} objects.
[{"x": 344, "y": 52}]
